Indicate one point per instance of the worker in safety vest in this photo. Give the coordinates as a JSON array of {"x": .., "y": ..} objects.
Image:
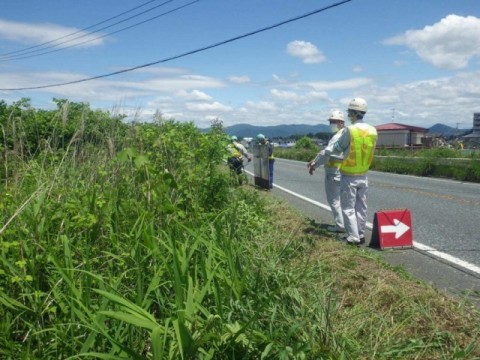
[
  {"x": 261, "y": 139},
  {"x": 332, "y": 164},
  {"x": 236, "y": 153},
  {"x": 357, "y": 143}
]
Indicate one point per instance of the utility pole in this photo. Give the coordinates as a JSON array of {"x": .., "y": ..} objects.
[{"x": 393, "y": 115}]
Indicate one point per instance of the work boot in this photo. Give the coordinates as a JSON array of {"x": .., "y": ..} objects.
[{"x": 354, "y": 241}]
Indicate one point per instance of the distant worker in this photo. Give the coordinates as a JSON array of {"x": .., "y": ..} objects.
[
  {"x": 459, "y": 144},
  {"x": 357, "y": 143},
  {"x": 236, "y": 153},
  {"x": 332, "y": 164},
  {"x": 262, "y": 140}
]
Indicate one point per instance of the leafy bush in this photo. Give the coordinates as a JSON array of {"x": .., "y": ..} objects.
[
  {"x": 296, "y": 154},
  {"x": 145, "y": 251},
  {"x": 135, "y": 245},
  {"x": 305, "y": 143}
]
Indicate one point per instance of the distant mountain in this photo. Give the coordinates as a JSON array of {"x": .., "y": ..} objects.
[
  {"x": 247, "y": 130},
  {"x": 447, "y": 131}
]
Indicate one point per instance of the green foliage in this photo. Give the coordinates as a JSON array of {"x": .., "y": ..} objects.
[
  {"x": 430, "y": 166},
  {"x": 296, "y": 154},
  {"x": 128, "y": 241},
  {"x": 26, "y": 131},
  {"x": 142, "y": 252},
  {"x": 305, "y": 143},
  {"x": 438, "y": 162}
]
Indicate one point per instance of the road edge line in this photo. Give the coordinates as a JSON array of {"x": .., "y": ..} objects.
[{"x": 422, "y": 247}]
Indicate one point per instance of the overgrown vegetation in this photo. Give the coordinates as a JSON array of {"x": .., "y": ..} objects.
[
  {"x": 463, "y": 165},
  {"x": 131, "y": 241},
  {"x": 304, "y": 150}
]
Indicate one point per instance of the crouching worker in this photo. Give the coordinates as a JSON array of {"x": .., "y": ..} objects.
[{"x": 236, "y": 153}]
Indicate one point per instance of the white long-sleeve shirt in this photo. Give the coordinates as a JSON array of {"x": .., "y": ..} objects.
[{"x": 329, "y": 153}]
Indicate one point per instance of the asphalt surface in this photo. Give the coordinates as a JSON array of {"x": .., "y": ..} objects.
[{"x": 445, "y": 215}]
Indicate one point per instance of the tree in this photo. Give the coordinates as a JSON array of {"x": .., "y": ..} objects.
[{"x": 305, "y": 143}]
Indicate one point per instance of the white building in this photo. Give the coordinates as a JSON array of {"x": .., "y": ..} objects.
[{"x": 399, "y": 135}]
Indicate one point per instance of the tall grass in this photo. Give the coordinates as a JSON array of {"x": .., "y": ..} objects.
[
  {"x": 146, "y": 254},
  {"x": 140, "y": 247}
]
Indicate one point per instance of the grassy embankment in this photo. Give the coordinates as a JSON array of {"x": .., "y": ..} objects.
[{"x": 136, "y": 243}]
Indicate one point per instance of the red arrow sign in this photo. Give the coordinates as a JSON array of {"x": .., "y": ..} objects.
[
  {"x": 394, "y": 228},
  {"x": 399, "y": 228}
]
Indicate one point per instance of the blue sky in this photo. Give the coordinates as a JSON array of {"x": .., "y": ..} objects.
[{"x": 416, "y": 62}]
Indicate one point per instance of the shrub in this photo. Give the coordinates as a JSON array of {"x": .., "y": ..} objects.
[{"x": 305, "y": 143}]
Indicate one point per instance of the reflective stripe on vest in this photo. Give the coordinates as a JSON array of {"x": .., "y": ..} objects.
[{"x": 362, "y": 146}]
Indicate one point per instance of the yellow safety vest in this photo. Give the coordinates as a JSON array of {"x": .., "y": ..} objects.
[
  {"x": 334, "y": 163},
  {"x": 232, "y": 149},
  {"x": 270, "y": 157},
  {"x": 362, "y": 146}
]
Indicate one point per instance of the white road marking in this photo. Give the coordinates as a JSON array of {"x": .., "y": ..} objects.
[{"x": 449, "y": 258}]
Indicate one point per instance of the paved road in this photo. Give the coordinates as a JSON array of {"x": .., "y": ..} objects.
[{"x": 445, "y": 220}]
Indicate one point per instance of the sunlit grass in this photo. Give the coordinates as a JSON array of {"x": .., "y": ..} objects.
[{"x": 148, "y": 250}]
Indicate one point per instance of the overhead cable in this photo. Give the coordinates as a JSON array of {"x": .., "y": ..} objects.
[
  {"x": 104, "y": 35},
  {"x": 78, "y": 31},
  {"x": 56, "y": 45},
  {"x": 186, "y": 53}
]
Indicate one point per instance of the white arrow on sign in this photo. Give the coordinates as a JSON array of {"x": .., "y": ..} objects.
[{"x": 399, "y": 228}]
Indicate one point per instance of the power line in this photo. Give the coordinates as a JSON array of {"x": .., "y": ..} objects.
[
  {"x": 104, "y": 35},
  {"x": 79, "y": 31},
  {"x": 186, "y": 53},
  {"x": 26, "y": 56}
]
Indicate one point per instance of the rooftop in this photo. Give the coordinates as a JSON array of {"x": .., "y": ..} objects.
[{"x": 397, "y": 126}]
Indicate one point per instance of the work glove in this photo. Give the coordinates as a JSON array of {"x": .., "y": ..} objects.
[{"x": 311, "y": 167}]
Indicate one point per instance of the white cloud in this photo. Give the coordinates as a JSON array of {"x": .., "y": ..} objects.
[
  {"x": 261, "y": 105},
  {"x": 203, "y": 107},
  {"x": 424, "y": 103},
  {"x": 112, "y": 89},
  {"x": 239, "y": 79},
  {"x": 160, "y": 70},
  {"x": 339, "y": 85},
  {"x": 295, "y": 98},
  {"x": 449, "y": 44},
  {"x": 184, "y": 96},
  {"x": 194, "y": 95},
  {"x": 357, "y": 68},
  {"x": 306, "y": 51},
  {"x": 185, "y": 82},
  {"x": 32, "y": 34},
  {"x": 277, "y": 78},
  {"x": 283, "y": 95}
]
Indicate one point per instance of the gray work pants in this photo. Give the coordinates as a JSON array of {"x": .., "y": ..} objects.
[
  {"x": 332, "y": 191},
  {"x": 353, "y": 197}
]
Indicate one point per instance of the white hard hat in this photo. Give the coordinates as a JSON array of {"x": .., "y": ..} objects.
[
  {"x": 358, "y": 104},
  {"x": 336, "y": 115}
]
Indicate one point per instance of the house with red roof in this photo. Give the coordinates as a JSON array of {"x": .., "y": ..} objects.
[{"x": 399, "y": 135}]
